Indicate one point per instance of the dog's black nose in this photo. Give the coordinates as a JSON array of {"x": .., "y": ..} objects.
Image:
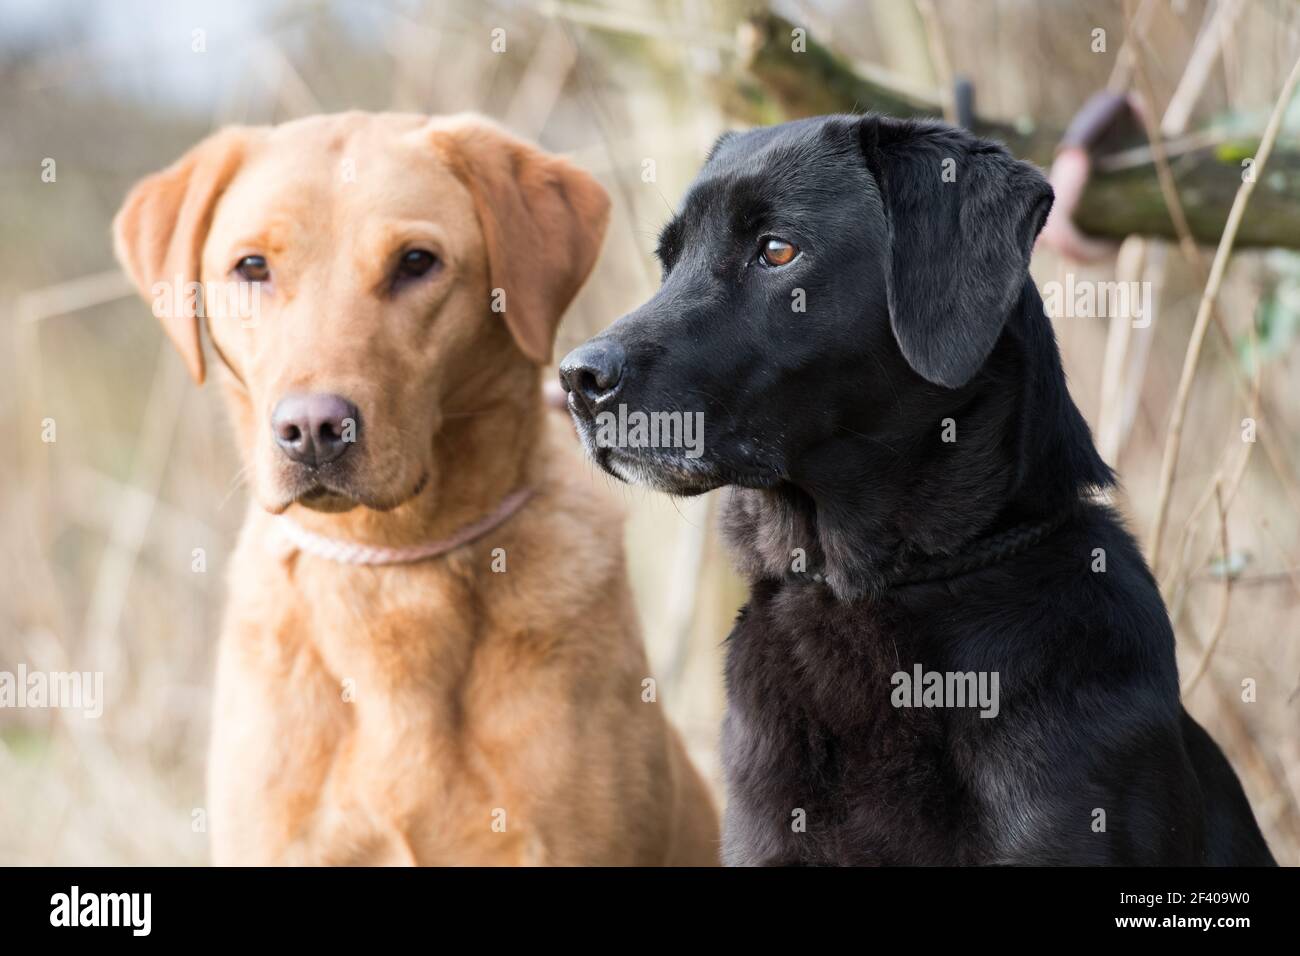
[
  {"x": 314, "y": 429},
  {"x": 594, "y": 372}
]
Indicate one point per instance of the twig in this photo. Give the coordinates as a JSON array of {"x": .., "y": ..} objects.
[
  {"x": 1285, "y": 576},
  {"x": 1145, "y": 155},
  {"x": 1221, "y": 621},
  {"x": 939, "y": 59},
  {"x": 1239, "y": 473},
  {"x": 1173, "y": 442},
  {"x": 73, "y": 295},
  {"x": 1290, "y": 570},
  {"x": 1185, "y": 539},
  {"x": 1246, "y": 752},
  {"x": 278, "y": 70},
  {"x": 131, "y": 515},
  {"x": 1136, "y": 23},
  {"x": 1164, "y": 175},
  {"x": 684, "y": 600},
  {"x": 620, "y": 21},
  {"x": 1129, "y": 266},
  {"x": 1199, "y": 64},
  {"x": 542, "y": 83},
  {"x": 1191, "y": 252}
]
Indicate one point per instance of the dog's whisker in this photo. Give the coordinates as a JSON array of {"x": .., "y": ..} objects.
[{"x": 871, "y": 438}]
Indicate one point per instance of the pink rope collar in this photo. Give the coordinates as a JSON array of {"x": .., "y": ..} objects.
[{"x": 343, "y": 552}]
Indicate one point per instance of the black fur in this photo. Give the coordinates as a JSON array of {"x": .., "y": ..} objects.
[{"x": 829, "y": 425}]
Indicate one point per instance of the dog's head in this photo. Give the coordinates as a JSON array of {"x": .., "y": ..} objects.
[
  {"x": 363, "y": 278},
  {"x": 827, "y": 279}
]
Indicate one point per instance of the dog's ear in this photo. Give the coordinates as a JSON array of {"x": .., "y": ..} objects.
[
  {"x": 963, "y": 215},
  {"x": 543, "y": 220},
  {"x": 159, "y": 232}
]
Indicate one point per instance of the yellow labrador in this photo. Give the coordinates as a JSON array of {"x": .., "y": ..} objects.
[{"x": 430, "y": 654}]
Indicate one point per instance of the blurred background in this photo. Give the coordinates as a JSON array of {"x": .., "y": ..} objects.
[{"x": 98, "y": 527}]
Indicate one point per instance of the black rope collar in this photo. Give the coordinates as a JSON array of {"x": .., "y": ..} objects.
[{"x": 979, "y": 554}]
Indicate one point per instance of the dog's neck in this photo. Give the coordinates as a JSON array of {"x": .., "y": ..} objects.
[{"x": 1022, "y": 453}]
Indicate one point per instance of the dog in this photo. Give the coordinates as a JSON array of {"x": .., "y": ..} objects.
[
  {"x": 846, "y": 300},
  {"x": 430, "y": 653}
]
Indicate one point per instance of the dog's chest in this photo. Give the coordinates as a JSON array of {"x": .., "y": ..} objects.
[
  {"x": 345, "y": 735},
  {"x": 825, "y": 763}
]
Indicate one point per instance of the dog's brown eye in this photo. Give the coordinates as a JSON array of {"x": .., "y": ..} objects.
[
  {"x": 778, "y": 252},
  {"x": 415, "y": 263},
  {"x": 253, "y": 268}
]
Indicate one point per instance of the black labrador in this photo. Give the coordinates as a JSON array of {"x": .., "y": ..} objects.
[{"x": 952, "y": 652}]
